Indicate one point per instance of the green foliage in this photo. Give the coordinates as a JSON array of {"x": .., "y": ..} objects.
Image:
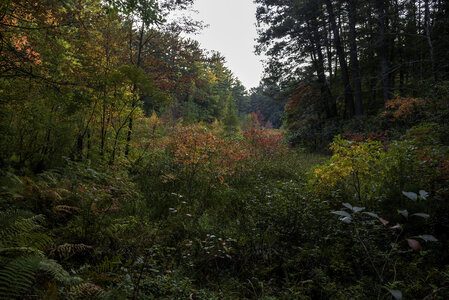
[
  {"x": 265, "y": 232},
  {"x": 135, "y": 165},
  {"x": 22, "y": 260},
  {"x": 230, "y": 119}
]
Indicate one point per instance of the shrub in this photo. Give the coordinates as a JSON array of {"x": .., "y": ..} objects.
[{"x": 353, "y": 166}]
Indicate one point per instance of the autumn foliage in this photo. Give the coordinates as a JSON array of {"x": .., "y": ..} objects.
[
  {"x": 403, "y": 109},
  {"x": 200, "y": 151},
  {"x": 265, "y": 142}
]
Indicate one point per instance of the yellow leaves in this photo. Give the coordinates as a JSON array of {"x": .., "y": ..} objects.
[
  {"x": 349, "y": 159},
  {"x": 154, "y": 120}
]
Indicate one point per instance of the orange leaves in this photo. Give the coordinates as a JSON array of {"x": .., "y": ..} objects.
[
  {"x": 194, "y": 145},
  {"x": 402, "y": 109},
  {"x": 168, "y": 178},
  {"x": 22, "y": 24},
  {"x": 200, "y": 151},
  {"x": 264, "y": 141},
  {"x": 22, "y": 44}
]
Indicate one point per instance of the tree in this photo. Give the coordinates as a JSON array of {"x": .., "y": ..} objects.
[
  {"x": 342, "y": 59},
  {"x": 352, "y": 16},
  {"x": 230, "y": 118},
  {"x": 383, "y": 48}
]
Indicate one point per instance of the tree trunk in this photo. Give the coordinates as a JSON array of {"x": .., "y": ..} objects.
[
  {"x": 354, "y": 58},
  {"x": 328, "y": 51},
  {"x": 103, "y": 127},
  {"x": 139, "y": 59},
  {"x": 429, "y": 39},
  {"x": 326, "y": 95},
  {"x": 341, "y": 57},
  {"x": 383, "y": 50}
]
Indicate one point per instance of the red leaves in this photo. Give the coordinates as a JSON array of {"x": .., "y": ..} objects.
[
  {"x": 203, "y": 151},
  {"x": 414, "y": 244},
  {"x": 383, "y": 221},
  {"x": 263, "y": 141},
  {"x": 444, "y": 169},
  {"x": 302, "y": 96}
]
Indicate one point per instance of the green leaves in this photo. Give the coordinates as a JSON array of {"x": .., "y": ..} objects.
[
  {"x": 423, "y": 194},
  {"x": 341, "y": 213},
  {"x": 346, "y": 216},
  {"x": 404, "y": 213},
  {"x": 371, "y": 214},
  {"x": 396, "y": 294},
  {"x": 358, "y": 209},
  {"x": 353, "y": 208},
  {"x": 414, "y": 197},
  {"x": 422, "y": 215},
  {"x": 415, "y": 245},
  {"x": 148, "y": 11},
  {"x": 428, "y": 238},
  {"x": 135, "y": 76}
]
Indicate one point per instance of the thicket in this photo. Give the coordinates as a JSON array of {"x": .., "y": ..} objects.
[{"x": 210, "y": 215}]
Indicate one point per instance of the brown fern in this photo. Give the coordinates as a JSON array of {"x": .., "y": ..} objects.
[
  {"x": 65, "y": 209},
  {"x": 66, "y": 251}
]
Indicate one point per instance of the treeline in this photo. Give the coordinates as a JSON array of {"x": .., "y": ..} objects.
[
  {"x": 81, "y": 79},
  {"x": 261, "y": 102},
  {"x": 352, "y": 57}
]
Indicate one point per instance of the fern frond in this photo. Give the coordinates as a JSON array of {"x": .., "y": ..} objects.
[
  {"x": 123, "y": 226},
  {"x": 38, "y": 240},
  {"x": 66, "y": 251},
  {"x": 17, "y": 277},
  {"x": 58, "y": 209},
  {"x": 48, "y": 178},
  {"x": 16, "y": 229},
  {"x": 107, "y": 265},
  {"x": 56, "y": 271},
  {"x": 64, "y": 193},
  {"x": 52, "y": 195},
  {"x": 14, "y": 251},
  {"x": 86, "y": 291},
  {"x": 10, "y": 216},
  {"x": 31, "y": 186},
  {"x": 10, "y": 184}
]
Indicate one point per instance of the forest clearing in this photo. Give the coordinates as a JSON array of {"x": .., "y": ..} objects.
[{"x": 134, "y": 164}]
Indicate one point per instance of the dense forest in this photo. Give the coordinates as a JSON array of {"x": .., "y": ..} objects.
[{"x": 135, "y": 165}]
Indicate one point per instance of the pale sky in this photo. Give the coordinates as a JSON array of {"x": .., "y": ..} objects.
[{"x": 231, "y": 31}]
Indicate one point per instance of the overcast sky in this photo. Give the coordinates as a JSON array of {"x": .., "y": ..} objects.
[{"x": 231, "y": 31}]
